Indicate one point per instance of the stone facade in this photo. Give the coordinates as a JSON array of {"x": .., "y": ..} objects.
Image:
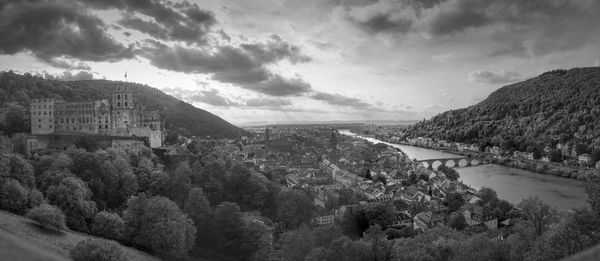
[{"x": 118, "y": 117}]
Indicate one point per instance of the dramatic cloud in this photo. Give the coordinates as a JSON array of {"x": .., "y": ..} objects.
[
  {"x": 520, "y": 28},
  {"x": 243, "y": 66},
  {"x": 51, "y": 29},
  {"x": 503, "y": 76},
  {"x": 181, "y": 21},
  {"x": 337, "y": 99},
  {"x": 68, "y": 76},
  {"x": 267, "y": 102}
]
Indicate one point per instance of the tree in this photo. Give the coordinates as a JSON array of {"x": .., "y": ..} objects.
[
  {"x": 247, "y": 189},
  {"x": 108, "y": 225},
  {"x": 555, "y": 156},
  {"x": 450, "y": 173},
  {"x": 198, "y": 209},
  {"x": 458, "y": 222},
  {"x": 296, "y": 244},
  {"x": 13, "y": 196},
  {"x": 179, "y": 184},
  {"x": 228, "y": 220},
  {"x": 158, "y": 224},
  {"x": 151, "y": 178},
  {"x": 454, "y": 201},
  {"x": 14, "y": 166},
  {"x": 73, "y": 197},
  {"x": 294, "y": 208},
  {"x": 48, "y": 216},
  {"x": 318, "y": 254},
  {"x": 379, "y": 214},
  {"x": 15, "y": 120},
  {"x": 487, "y": 195},
  {"x": 97, "y": 250},
  {"x": 538, "y": 214}
]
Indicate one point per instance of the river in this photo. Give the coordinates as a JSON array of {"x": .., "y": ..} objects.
[{"x": 510, "y": 183}]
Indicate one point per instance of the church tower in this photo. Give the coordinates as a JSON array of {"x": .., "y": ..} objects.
[
  {"x": 267, "y": 135},
  {"x": 333, "y": 144},
  {"x": 122, "y": 107}
]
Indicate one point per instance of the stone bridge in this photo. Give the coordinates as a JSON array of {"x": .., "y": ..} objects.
[{"x": 451, "y": 162}]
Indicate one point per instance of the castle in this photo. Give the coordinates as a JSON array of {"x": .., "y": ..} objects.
[{"x": 117, "y": 123}]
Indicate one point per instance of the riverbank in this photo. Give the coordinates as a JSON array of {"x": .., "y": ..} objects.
[
  {"x": 543, "y": 168},
  {"x": 512, "y": 184},
  {"x": 554, "y": 169}
]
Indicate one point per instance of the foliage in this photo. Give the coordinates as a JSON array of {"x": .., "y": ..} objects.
[
  {"x": 15, "y": 120},
  {"x": 535, "y": 113},
  {"x": 13, "y": 196},
  {"x": 454, "y": 201},
  {"x": 108, "y": 225},
  {"x": 458, "y": 222},
  {"x": 35, "y": 198},
  {"x": 294, "y": 209},
  {"x": 48, "y": 216},
  {"x": 198, "y": 208},
  {"x": 73, "y": 197},
  {"x": 538, "y": 214},
  {"x": 450, "y": 173},
  {"x": 159, "y": 225},
  {"x": 318, "y": 254},
  {"x": 14, "y": 166},
  {"x": 97, "y": 250}
]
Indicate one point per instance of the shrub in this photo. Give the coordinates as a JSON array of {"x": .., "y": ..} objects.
[
  {"x": 48, "y": 216},
  {"x": 158, "y": 224},
  {"x": 35, "y": 198},
  {"x": 108, "y": 225},
  {"x": 97, "y": 250},
  {"x": 13, "y": 196}
]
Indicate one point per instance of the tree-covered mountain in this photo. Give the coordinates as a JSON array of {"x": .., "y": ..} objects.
[
  {"x": 180, "y": 117},
  {"x": 557, "y": 106}
]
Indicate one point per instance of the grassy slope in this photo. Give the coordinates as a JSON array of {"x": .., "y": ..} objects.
[{"x": 21, "y": 239}]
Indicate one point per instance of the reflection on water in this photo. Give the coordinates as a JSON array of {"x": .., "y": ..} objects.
[
  {"x": 515, "y": 185},
  {"x": 510, "y": 184}
]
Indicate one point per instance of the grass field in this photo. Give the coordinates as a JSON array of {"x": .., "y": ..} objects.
[{"x": 23, "y": 240}]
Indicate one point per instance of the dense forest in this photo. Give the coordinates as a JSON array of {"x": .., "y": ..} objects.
[
  {"x": 560, "y": 106},
  {"x": 180, "y": 117}
]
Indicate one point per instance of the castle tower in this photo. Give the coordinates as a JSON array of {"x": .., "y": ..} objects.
[{"x": 122, "y": 108}]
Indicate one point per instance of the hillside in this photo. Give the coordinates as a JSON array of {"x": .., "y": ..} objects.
[
  {"x": 180, "y": 117},
  {"x": 21, "y": 239},
  {"x": 557, "y": 106}
]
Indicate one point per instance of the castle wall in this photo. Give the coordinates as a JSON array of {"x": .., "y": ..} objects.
[{"x": 42, "y": 115}]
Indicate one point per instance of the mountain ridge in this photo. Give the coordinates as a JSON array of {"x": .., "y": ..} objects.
[{"x": 560, "y": 106}]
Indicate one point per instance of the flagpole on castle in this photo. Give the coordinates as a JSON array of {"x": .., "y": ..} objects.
[{"x": 125, "y": 76}]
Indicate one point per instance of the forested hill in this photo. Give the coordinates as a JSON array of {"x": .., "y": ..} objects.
[
  {"x": 557, "y": 106},
  {"x": 180, "y": 117}
]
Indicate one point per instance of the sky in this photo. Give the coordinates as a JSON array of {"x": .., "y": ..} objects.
[{"x": 304, "y": 60}]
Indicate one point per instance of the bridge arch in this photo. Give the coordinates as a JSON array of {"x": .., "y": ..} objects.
[
  {"x": 436, "y": 164},
  {"x": 450, "y": 163},
  {"x": 463, "y": 163}
]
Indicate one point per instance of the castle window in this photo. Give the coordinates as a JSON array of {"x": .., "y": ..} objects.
[
  {"x": 118, "y": 96},
  {"x": 39, "y": 126},
  {"x": 125, "y": 104},
  {"x": 125, "y": 96},
  {"x": 50, "y": 126},
  {"x": 40, "y": 120},
  {"x": 45, "y": 112},
  {"x": 50, "y": 113},
  {"x": 118, "y": 104}
]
